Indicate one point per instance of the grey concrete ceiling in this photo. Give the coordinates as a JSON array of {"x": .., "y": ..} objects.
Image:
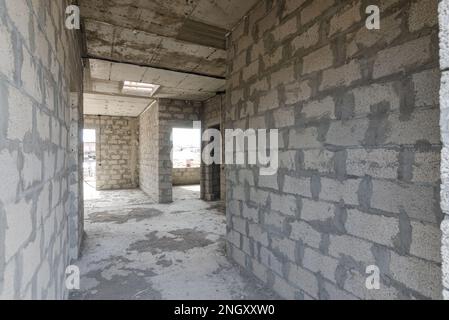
[
  {"x": 177, "y": 44},
  {"x": 108, "y": 77},
  {"x": 114, "y": 105},
  {"x": 180, "y": 35}
]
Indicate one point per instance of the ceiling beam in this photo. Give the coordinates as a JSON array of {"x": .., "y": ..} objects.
[{"x": 90, "y": 56}]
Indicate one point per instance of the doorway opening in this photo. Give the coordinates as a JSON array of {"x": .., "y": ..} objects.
[
  {"x": 186, "y": 171},
  {"x": 89, "y": 162}
]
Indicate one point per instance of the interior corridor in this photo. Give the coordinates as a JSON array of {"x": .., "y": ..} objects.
[{"x": 137, "y": 249}]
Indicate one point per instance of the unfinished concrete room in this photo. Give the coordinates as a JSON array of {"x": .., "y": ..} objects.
[{"x": 224, "y": 150}]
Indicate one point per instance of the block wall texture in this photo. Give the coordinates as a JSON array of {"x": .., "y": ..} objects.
[
  {"x": 212, "y": 116},
  {"x": 444, "y": 124},
  {"x": 116, "y": 151},
  {"x": 172, "y": 114},
  {"x": 359, "y": 178},
  {"x": 40, "y": 74},
  {"x": 156, "y": 126},
  {"x": 185, "y": 176},
  {"x": 149, "y": 151}
]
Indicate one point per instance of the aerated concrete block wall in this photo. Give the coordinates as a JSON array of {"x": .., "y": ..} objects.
[
  {"x": 156, "y": 126},
  {"x": 40, "y": 69},
  {"x": 117, "y": 155},
  {"x": 358, "y": 182},
  {"x": 213, "y": 181},
  {"x": 444, "y": 124},
  {"x": 185, "y": 176},
  {"x": 149, "y": 151},
  {"x": 172, "y": 114}
]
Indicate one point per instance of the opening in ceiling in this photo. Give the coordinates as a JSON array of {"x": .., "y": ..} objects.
[{"x": 139, "y": 88}]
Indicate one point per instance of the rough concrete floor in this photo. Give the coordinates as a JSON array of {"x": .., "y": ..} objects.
[{"x": 136, "y": 249}]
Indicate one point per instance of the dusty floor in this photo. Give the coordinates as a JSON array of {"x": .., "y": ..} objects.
[{"x": 136, "y": 249}]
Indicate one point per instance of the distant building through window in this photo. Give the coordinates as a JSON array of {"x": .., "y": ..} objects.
[{"x": 186, "y": 148}]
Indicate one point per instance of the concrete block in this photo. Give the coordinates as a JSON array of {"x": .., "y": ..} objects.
[
  {"x": 417, "y": 274},
  {"x": 316, "y": 211},
  {"x": 20, "y": 120},
  {"x": 282, "y": 76},
  {"x": 30, "y": 76},
  {"x": 250, "y": 71},
  {"x": 317, "y": 262},
  {"x": 376, "y": 228},
  {"x": 416, "y": 201},
  {"x": 32, "y": 170},
  {"x": 234, "y": 238},
  {"x": 426, "y": 85},
  {"x": 303, "y": 279},
  {"x": 334, "y": 190},
  {"x": 342, "y": 76},
  {"x": 268, "y": 259},
  {"x": 297, "y": 91},
  {"x": 358, "y": 249},
  {"x": 283, "y": 288},
  {"x": 284, "y": 204},
  {"x": 346, "y": 18},
  {"x": 259, "y": 271},
  {"x": 420, "y": 127},
  {"x": 306, "y": 39},
  {"x": 267, "y": 22},
  {"x": 378, "y": 163},
  {"x": 320, "y": 59},
  {"x": 347, "y": 133},
  {"x": 286, "y": 29},
  {"x": 269, "y": 182},
  {"x": 426, "y": 241},
  {"x": 259, "y": 86},
  {"x": 368, "y": 96},
  {"x": 287, "y": 160},
  {"x": 257, "y": 234},
  {"x": 268, "y": 101},
  {"x": 324, "y": 108},
  {"x": 43, "y": 125},
  {"x": 9, "y": 175},
  {"x": 292, "y": 5},
  {"x": 271, "y": 58},
  {"x": 319, "y": 160},
  {"x": 315, "y": 9},
  {"x": 18, "y": 227},
  {"x": 6, "y": 52},
  {"x": 400, "y": 58},
  {"x": 304, "y": 138},
  {"x": 274, "y": 220},
  {"x": 258, "y": 196},
  {"x": 426, "y": 167},
  {"x": 31, "y": 255},
  {"x": 250, "y": 214},
  {"x": 285, "y": 246},
  {"x": 239, "y": 256},
  {"x": 284, "y": 117},
  {"x": 303, "y": 231},
  {"x": 298, "y": 186},
  {"x": 423, "y": 13}
]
